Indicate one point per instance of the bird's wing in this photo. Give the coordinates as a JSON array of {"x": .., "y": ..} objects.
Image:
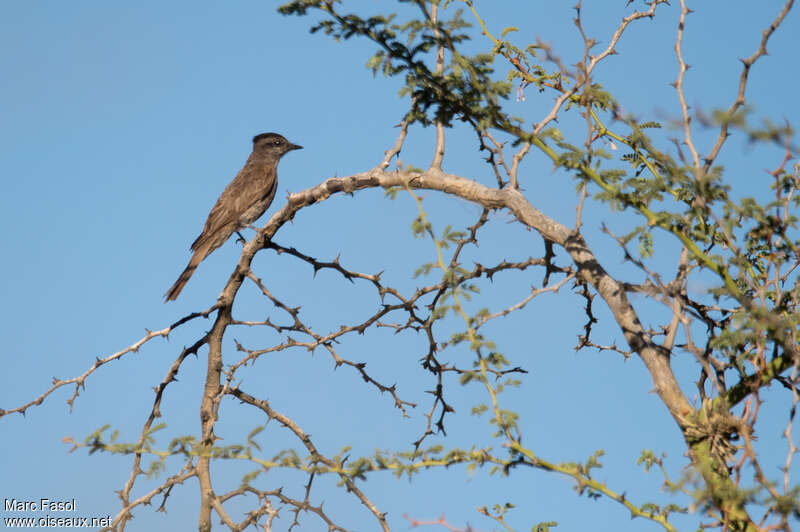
[{"x": 244, "y": 191}]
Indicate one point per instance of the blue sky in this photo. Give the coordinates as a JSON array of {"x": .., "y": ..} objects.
[{"x": 123, "y": 123}]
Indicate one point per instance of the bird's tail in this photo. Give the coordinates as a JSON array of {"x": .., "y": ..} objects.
[{"x": 174, "y": 291}]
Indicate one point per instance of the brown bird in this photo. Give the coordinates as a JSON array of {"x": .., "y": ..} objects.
[{"x": 242, "y": 202}]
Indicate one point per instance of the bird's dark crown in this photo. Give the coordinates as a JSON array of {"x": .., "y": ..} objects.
[{"x": 263, "y": 136}]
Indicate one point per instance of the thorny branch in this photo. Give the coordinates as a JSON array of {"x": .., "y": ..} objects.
[{"x": 80, "y": 380}]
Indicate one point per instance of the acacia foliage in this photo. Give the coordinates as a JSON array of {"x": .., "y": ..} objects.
[{"x": 743, "y": 332}]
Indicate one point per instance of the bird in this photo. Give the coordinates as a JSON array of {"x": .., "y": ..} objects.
[{"x": 242, "y": 202}]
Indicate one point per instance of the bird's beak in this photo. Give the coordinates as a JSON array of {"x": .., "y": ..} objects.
[{"x": 295, "y": 147}]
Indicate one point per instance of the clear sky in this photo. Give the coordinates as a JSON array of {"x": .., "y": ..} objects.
[{"x": 122, "y": 123}]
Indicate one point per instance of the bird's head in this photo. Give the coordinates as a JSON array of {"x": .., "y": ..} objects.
[{"x": 272, "y": 145}]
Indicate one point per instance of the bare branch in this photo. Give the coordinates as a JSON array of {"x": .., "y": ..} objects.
[
  {"x": 80, "y": 380},
  {"x": 747, "y": 64}
]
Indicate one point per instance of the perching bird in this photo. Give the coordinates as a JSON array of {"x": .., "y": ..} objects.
[{"x": 242, "y": 202}]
